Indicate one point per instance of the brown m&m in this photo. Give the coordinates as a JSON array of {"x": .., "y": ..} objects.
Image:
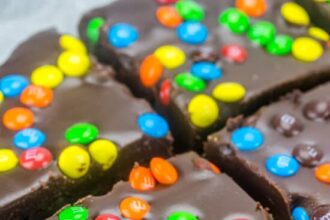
[
  {"x": 317, "y": 110},
  {"x": 308, "y": 155},
  {"x": 287, "y": 124}
]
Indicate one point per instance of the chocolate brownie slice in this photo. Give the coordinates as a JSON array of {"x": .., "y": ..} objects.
[
  {"x": 59, "y": 144},
  {"x": 281, "y": 154},
  {"x": 203, "y": 61},
  {"x": 199, "y": 192}
]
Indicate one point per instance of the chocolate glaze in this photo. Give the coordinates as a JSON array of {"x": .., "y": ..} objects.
[
  {"x": 281, "y": 194},
  {"x": 265, "y": 77},
  {"x": 210, "y": 196},
  {"x": 97, "y": 99}
]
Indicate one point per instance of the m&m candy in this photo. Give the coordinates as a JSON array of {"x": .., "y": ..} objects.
[
  {"x": 73, "y": 44},
  {"x": 295, "y": 14},
  {"x": 73, "y": 64},
  {"x": 2, "y": 97},
  {"x": 36, "y": 96},
  {"x": 282, "y": 165},
  {"x": 18, "y": 118},
  {"x": 170, "y": 57},
  {"x": 235, "y": 20},
  {"x": 168, "y": 16},
  {"x": 122, "y": 35},
  {"x": 81, "y": 133},
  {"x": 193, "y": 33},
  {"x": 247, "y": 138},
  {"x": 322, "y": 173},
  {"x": 8, "y": 160},
  {"x": 318, "y": 33},
  {"x": 36, "y": 158},
  {"x": 151, "y": 71},
  {"x": 164, "y": 172},
  {"x": 254, "y": 8},
  {"x": 281, "y": 45},
  {"x": 206, "y": 70},
  {"x": 141, "y": 178},
  {"x": 234, "y": 53},
  {"x": 203, "y": 111},
  {"x": 107, "y": 217},
  {"x": 190, "y": 82},
  {"x": 181, "y": 215},
  {"x": 153, "y": 125},
  {"x": 73, "y": 213},
  {"x": 165, "y": 92},
  {"x": 93, "y": 29},
  {"x": 29, "y": 138},
  {"x": 47, "y": 76},
  {"x": 262, "y": 32},
  {"x": 190, "y": 10},
  {"x": 299, "y": 213},
  {"x": 306, "y": 49},
  {"x": 134, "y": 208},
  {"x": 229, "y": 92},
  {"x": 103, "y": 152},
  {"x": 74, "y": 162},
  {"x": 13, "y": 85}
]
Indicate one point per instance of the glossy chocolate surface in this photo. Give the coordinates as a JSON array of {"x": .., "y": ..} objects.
[
  {"x": 264, "y": 76},
  {"x": 309, "y": 146},
  {"x": 97, "y": 99},
  {"x": 198, "y": 191}
]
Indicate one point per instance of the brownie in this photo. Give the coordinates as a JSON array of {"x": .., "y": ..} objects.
[
  {"x": 319, "y": 12},
  {"x": 200, "y": 192},
  {"x": 259, "y": 76},
  {"x": 281, "y": 154},
  {"x": 76, "y": 139}
]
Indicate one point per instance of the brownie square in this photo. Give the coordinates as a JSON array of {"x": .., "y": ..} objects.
[{"x": 59, "y": 144}]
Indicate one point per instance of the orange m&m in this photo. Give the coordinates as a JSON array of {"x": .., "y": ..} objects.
[
  {"x": 151, "y": 70},
  {"x": 254, "y": 8},
  {"x": 37, "y": 96},
  {"x": 134, "y": 208},
  {"x": 168, "y": 16},
  {"x": 163, "y": 171},
  {"x": 141, "y": 178},
  {"x": 322, "y": 173},
  {"x": 18, "y": 118}
]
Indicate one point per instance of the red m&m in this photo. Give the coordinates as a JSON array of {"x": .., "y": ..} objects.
[
  {"x": 107, "y": 217},
  {"x": 234, "y": 53},
  {"x": 165, "y": 92},
  {"x": 36, "y": 158}
]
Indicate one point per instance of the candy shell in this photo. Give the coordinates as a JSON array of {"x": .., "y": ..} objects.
[
  {"x": 163, "y": 171},
  {"x": 93, "y": 29},
  {"x": 306, "y": 49},
  {"x": 151, "y": 70},
  {"x": 37, "y": 96},
  {"x": 254, "y": 8},
  {"x": 322, "y": 173},
  {"x": 295, "y": 14},
  {"x": 247, "y": 138},
  {"x": 73, "y": 44},
  {"x": 73, "y": 213},
  {"x": 18, "y": 118},
  {"x": 206, "y": 70},
  {"x": 73, "y": 64},
  {"x": 122, "y": 35},
  {"x": 190, "y": 82},
  {"x": 235, "y": 20},
  {"x": 282, "y": 165},
  {"x": 229, "y": 92},
  {"x": 103, "y": 152},
  {"x": 12, "y": 85},
  {"x": 193, "y": 33},
  {"x": 170, "y": 56},
  {"x": 134, "y": 208},
  {"x": 168, "y": 16},
  {"x": 29, "y": 138},
  {"x": 8, "y": 160},
  {"x": 141, "y": 178},
  {"x": 81, "y": 133},
  {"x": 47, "y": 76},
  {"x": 190, "y": 10},
  {"x": 36, "y": 158},
  {"x": 153, "y": 125}
]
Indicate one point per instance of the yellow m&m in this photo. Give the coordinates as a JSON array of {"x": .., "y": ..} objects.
[
  {"x": 8, "y": 160},
  {"x": 47, "y": 76},
  {"x": 229, "y": 92},
  {"x": 295, "y": 14},
  {"x": 2, "y": 97},
  {"x": 306, "y": 49},
  {"x": 71, "y": 43},
  {"x": 103, "y": 152},
  {"x": 73, "y": 64},
  {"x": 170, "y": 56},
  {"x": 203, "y": 111},
  {"x": 74, "y": 162},
  {"x": 318, "y": 33}
]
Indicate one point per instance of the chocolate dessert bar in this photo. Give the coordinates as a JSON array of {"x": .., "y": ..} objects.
[
  {"x": 68, "y": 129},
  {"x": 281, "y": 154},
  {"x": 204, "y": 61},
  {"x": 197, "y": 191}
]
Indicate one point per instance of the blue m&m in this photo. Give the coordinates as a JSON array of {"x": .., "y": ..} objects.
[
  {"x": 122, "y": 35},
  {"x": 29, "y": 138},
  {"x": 13, "y": 85},
  {"x": 282, "y": 165},
  {"x": 206, "y": 70},
  {"x": 153, "y": 125},
  {"x": 247, "y": 138},
  {"x": 299, "y": 213},
  {"x": 193, "y": 33}
]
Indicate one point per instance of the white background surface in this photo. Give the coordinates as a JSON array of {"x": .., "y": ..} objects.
[{"x": 19, "y": 19}]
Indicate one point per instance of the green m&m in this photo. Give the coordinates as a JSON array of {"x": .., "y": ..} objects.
[
  {"x": 182, "y": 215},
  {"x": 262, "y": 33},
  {"x": 81, "y": 133},
  {"x": 189, "y": 10},
  {"x": 93, "y": 29},
  {"x": 281, "y": 45},
  {"x": 190, "y": 82},
  {"x": 73, "y": 213},
  {"x": 235, "y": 20}
]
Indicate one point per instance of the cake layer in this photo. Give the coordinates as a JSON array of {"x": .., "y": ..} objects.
[
  {"x": 199, "y": 192},
  {"x": 281, "y": 154},
  {"x": 59, "y": 144},
  {"x": 173, "y": 53}
]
